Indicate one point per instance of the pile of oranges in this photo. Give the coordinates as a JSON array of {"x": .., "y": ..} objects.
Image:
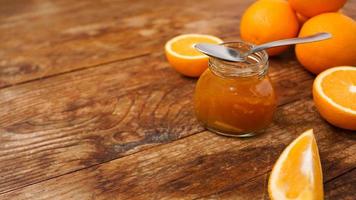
[
  {"x": 268, "y": 20},
  {"x": 334, "y": 89}
]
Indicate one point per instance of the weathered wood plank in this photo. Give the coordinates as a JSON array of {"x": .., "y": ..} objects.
[
  {"x": 87, "y": 33},
  {"x": 83, "y": 118},
  {"x": 202, "y": 164},
  {"x": 83, "y": 34},
  {"x": 61, "y": 124},
  {"x": 342, "y": 188},
  {"x": 241, "y": 191}
]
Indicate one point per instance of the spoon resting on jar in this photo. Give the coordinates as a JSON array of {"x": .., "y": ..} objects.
[{"x": 233, "y": 55}]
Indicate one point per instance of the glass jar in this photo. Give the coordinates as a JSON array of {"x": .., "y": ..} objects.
[{"x": 236, "y": 98}]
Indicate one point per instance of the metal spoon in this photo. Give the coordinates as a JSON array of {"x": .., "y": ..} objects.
[{"x": 233, "y": 55}]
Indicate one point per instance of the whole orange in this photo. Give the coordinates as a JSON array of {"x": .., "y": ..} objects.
[
  {"x": 268, "y": 20},
  {"x": 337, "y": 51},
  {"x": 301, "y": 18},
  {"x": 310, "y": 8}
]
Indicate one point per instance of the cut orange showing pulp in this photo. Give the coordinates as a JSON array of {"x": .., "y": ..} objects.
[
  {"x": 334, "y": 93},
  {"x": 297, "y": 173},
  {"x": 184, "y": 58}
]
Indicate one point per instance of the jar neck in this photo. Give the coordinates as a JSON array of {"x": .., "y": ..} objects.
[{"x": 255, "y": 65}]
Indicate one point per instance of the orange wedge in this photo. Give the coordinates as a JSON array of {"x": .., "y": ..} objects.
[
  {"x": 183, "y": 57},
  {"x": 297, "y": 173},
  {"x": 334, "y": 92}
]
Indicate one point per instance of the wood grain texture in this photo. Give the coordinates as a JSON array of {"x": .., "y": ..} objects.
[
  {"x": 90, "y": 109},
  {"x": 203, "y": 165},
  {"x": 83, "y": 33},
  {"x": 69, "y": 122},
  {"x": 342, "y": 187}
]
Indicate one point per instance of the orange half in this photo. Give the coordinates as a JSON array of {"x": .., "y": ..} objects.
[
  {"x": 184, "y": 58},
  {"x": 334, "y": 93}
]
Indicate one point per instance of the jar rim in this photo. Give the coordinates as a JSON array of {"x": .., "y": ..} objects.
[{"x": 233, "y": 69}]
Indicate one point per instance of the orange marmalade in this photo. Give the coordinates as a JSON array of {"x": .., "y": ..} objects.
[{"x": 236, "y": 98}]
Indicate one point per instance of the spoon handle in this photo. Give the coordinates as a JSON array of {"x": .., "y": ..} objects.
[{"x": 311, "y": 38}]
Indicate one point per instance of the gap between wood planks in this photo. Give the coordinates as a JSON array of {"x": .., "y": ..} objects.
[
  {"x": 338, "y": 176},
  {"x": 78, "y": 69},
  {"x": 94, "y": 66}
]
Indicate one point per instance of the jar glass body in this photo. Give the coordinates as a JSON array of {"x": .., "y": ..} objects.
[{"x": 236, "y": 99}]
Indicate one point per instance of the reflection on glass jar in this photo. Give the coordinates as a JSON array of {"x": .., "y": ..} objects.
[{"x": 236, "y": 98}]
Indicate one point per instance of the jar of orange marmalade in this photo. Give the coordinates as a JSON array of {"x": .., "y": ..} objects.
[{"x": 236, "y": 98}]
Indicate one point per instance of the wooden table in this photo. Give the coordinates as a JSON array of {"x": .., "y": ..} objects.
[{"x": 90, "y": 108}]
